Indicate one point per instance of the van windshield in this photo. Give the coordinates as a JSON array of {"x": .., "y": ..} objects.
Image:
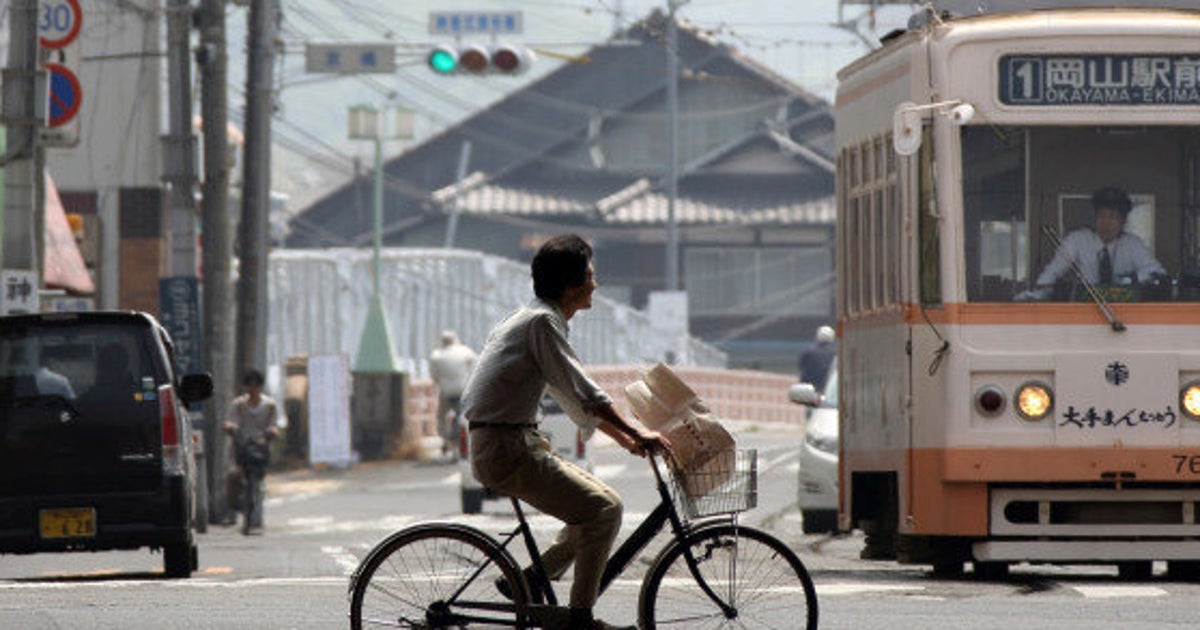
[
  {"x": 92, "y": 362},
  {"x": 1024, "y": 187}
]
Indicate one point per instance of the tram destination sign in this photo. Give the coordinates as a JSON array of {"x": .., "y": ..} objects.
[{"x": 1127, "y": 80}]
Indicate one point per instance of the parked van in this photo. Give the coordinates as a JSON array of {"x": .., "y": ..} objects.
[{"x": 96, "y": 448}]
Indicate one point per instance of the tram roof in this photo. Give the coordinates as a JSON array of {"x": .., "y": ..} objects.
[{"x": 964, "y": 8}]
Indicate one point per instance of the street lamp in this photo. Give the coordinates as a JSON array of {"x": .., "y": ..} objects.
[{"x": 368, "y": 122}]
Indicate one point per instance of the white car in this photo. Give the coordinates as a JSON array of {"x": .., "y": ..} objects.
[
  {"x": 565, "y": 437},
  {"x": 818, "y": 487}
]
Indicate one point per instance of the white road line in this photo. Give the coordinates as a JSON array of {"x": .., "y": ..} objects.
[
  {"x": 310, "y": 525},
  {"x": 1098, "y": 592},
  {"x": 858, "y": 588},
  {"x": 342, "y": 557}
]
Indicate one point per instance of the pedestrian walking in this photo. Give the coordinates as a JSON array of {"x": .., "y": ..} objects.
[
  {"x": 254, "y": 421},
  {"x": 450, "y": 365}
]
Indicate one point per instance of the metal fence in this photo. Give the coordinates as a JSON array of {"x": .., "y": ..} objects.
[{"x": 319, "y": 300}]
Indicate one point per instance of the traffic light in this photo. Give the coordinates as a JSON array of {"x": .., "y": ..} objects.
[
  {"x": 443, "y": 60},
  {"x": 477, "y": 59}
]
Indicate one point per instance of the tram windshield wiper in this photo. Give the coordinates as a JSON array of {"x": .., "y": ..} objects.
[{"x": 1117, "y": 324}]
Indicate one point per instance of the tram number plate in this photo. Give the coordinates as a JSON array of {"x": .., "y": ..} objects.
[
  {"x": 1185, "y": 464},
  {"x": 67, "y": 523}
]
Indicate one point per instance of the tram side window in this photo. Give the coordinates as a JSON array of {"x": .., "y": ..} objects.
[{"x": 996, "y": 239}]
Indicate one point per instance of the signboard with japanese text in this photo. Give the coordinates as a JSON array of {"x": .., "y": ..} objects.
[
  {"x": 1088, "y": 79},
  {"x": 179, "y": 312},
  {"x": 18, "y": 292},
  {"x": 350, "y": 58},
  {"x": 476, "y": 22}
]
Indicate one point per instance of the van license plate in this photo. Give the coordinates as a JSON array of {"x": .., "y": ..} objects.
[{"x": 67, "y": 523}]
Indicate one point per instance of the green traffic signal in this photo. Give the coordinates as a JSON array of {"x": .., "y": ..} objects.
[{"x": 443, "y": 60}]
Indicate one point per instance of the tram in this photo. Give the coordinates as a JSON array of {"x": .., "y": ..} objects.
[{"x": 1005, "y": 397}]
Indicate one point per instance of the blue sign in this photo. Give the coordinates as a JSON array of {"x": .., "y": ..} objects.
[
  {"x": 65, "y": 94},
  {"x": 1128, "y": 80},
  {"x": 179, "y": 312},
  {"x": 475, "y": 22}
]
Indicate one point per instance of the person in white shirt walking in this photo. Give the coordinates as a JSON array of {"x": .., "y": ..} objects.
[
  {"x": 254, "y": 421},
  {"x": 1105, "y": 254},
  {"x": 450, "y": 366}
]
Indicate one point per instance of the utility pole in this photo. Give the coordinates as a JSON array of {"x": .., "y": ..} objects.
[
  {"x": 464, "y": 158},
  {"x": 217, "y": 243},
  {"x": 672, "y": 146},
  {"x": 256, "y": 190},
  {"x": 19, "y": 249},
  {"x": 179, "y": 145}
]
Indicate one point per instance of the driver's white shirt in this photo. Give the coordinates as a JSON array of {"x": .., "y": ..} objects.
[{"x": 1129, "y": 256}]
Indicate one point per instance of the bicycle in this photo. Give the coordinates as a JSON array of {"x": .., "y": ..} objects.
[{"x": 712, "y": 573}]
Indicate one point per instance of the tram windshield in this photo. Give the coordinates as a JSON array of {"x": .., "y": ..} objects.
[{"x": 1050, "y": 209}]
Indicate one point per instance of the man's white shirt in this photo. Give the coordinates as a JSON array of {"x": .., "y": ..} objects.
[{"x": 1128, "y": 253}]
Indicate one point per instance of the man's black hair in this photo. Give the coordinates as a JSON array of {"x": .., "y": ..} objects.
[
  {"x": 560, "y": 262},
  {"x": 253, "y": 377},
  {"x": 1114, "y": 198}
]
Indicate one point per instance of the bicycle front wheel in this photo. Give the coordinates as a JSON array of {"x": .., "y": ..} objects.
[
  {"x": 760, "y": 584},
  {"x": 437, "y": 576}
]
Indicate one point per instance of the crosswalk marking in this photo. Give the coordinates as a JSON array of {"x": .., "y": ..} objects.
[
  {"x": 1119, "y": 591},
  {"x": 342, "y": 557},
  {"x": 859, "y": 588}
]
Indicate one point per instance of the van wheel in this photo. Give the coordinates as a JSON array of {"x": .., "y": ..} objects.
[
  {"x": 179, "y": 560},
  {"x": 472, "y": 501}
]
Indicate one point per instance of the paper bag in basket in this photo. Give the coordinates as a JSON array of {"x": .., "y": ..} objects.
[{"x": 703, "y": 448}]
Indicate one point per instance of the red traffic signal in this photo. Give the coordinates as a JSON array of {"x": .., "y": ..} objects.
[{"x": 508, "y": 59}]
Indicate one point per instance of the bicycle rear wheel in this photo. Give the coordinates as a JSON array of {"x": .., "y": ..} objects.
[
  {"x": 762, "y": 581},
  {"x": 437, "y": 576}
]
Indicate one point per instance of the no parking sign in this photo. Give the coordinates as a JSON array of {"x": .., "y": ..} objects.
[{"x": 65, "y": 94}]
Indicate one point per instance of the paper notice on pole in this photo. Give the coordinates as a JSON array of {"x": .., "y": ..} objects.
[{"x": 329, "y": 410}]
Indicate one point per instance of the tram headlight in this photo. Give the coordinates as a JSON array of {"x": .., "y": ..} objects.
[
  {"x": 989, "y": 400},
  {"x": 1189, "y": 399},
  {"x": 1034, "y": 400}
]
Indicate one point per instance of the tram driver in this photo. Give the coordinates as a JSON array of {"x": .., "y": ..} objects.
[{"x": 1106, "y": 254}]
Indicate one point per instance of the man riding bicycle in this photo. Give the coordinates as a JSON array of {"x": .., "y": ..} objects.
[{"x": 527, "y": 354}]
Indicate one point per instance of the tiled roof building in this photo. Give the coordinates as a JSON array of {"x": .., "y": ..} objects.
[{"x": 584, "y": 149}]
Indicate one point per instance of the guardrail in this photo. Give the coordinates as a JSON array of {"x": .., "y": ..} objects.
[{"x": 737, "y": 395}]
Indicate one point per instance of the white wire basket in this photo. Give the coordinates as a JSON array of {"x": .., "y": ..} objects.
[{"x": 726, "y": 483}]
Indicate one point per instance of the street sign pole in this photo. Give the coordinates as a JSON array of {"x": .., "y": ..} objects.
[{"x": 20, "y": 175}]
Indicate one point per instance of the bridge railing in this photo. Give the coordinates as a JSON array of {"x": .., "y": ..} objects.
[{"x": 737, "y": 395}]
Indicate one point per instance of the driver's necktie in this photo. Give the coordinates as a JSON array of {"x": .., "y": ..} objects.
[{"x": 1106, "y": 270}]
